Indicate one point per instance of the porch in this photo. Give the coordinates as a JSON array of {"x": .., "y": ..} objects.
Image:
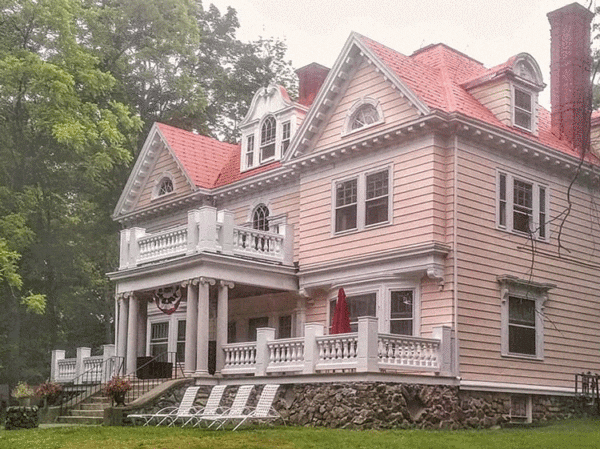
[{"x": 365, "y": 351}]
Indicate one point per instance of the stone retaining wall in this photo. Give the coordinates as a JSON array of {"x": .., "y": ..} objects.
[{"x": 377, "y": 405}]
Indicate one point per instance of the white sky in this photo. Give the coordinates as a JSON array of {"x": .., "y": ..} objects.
[{"x": 488, "y": 31}]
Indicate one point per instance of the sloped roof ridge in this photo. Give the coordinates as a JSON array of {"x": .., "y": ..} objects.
[{"x": 430, "y": 47}]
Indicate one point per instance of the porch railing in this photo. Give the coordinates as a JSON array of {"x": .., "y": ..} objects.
[
  {"x": 207, "y": 230},
  {"x": 587, "y": 386},
  {"x": 83, "y": 368},
  {"x": 362, "y": 351}
]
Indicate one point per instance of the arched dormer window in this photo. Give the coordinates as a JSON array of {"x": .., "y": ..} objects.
[
  {"x": 164, "y": 186},
  {"x": 260, "y": 218},
  {"x": 364, "y": 113},
  {"x": 268, "y": 133}
]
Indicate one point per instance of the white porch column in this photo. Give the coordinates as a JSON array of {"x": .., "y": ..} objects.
[
  {"x": 132, "y": 328},
  {"x": 191, "y": 327},
  {"x": 300, "y": 317},
  {"x": 123, "y": 307},
  {"x": 222, "y": 322},
  {"x": 202, "y": 327}
]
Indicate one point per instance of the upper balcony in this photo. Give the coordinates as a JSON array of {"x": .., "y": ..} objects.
[{"x": 210, "y": 231}]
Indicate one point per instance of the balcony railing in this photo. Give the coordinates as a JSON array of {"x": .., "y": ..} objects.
[
  {"x": 95, "y": 368},
  {"x": 207, "y": 230},
  {"x": 364, "y": 351}
]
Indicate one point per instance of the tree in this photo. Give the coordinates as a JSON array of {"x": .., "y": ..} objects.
[{"x": 64, "y": 138}]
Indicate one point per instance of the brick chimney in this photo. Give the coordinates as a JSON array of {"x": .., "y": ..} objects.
[
  {"x": 570, "y": 68},
  {"x": 311, "y": 78}
]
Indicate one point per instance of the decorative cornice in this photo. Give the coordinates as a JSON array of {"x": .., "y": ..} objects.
[{"x": 226, "y": 284}]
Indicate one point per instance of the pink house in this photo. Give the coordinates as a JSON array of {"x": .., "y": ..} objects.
[{"x": 455, "y": 211}]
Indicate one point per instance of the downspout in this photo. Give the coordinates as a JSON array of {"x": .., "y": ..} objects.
[{"x": 455, "y": 257}]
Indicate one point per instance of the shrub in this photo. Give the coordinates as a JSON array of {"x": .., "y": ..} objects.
[{"x": 22, "y": 390}]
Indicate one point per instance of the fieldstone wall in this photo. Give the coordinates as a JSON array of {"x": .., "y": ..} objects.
[
  {"x": 21, "y": 418},
  {"x": 378, "y": 405}
]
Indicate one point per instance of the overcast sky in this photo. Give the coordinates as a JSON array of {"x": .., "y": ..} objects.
[{"x": 488, "y": 31}]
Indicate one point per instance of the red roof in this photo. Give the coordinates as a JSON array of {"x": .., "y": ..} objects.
[{"x": 437, "y": 74}]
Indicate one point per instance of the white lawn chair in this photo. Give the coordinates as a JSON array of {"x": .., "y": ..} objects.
[
  {"x": 264, "y": 408},
  {"x": 237, "y": 408},
  {"x": 186, "y": 409},
  {"x": 210, "y": 409}
]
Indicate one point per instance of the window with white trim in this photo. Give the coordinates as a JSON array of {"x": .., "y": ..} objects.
[
  {"x": 522, "y": 317},
  {"x": 286, "y": 132},
  {"x": 395, "y": 305},
  {"x": 523, "y": 109},
  {"x": 268, "y": 134},
  {"x": 159, "y": 338},
  {"x": 522, "y": 206},
  {"x": 164, "y": 186},
  {"x": 362, "y": 201},
  {"x": 364, "y": 113},
  {"x": 181, "y": 340}
]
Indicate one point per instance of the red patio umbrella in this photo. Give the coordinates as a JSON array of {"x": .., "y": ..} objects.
[{"x": 341, "y": 316}]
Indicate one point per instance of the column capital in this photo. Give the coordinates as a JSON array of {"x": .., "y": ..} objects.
[
  {"x": 125, "y": 295},
  {"x": 227, "y": 284},
  {"x": 203, "y": 280}
]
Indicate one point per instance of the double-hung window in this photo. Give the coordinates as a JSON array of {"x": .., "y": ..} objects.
[
  {"x": 362, "y": 201},
  {"x": 522, "y": 206},
  {"x": 523, "y": 109},
  {"x": 522, "y": 315},
  {"x": 358, "y": 305},
  {"x": 250, "y": 151},
  {"x": 286, "y": 132},
  {"x": 401, "y": 312},
  {"x": 268, "y": 133}
]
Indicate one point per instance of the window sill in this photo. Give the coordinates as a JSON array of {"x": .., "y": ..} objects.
[
  {"x": 357, "y": 130},
  {"x": 162, "y": 197},
  {"x": 523, "y": 234},
  {"x": 366, "y": 228},
  {"x": 530, "y": 358}
]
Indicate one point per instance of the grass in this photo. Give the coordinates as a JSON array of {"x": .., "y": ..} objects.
[{"x": 573, "y": 434}]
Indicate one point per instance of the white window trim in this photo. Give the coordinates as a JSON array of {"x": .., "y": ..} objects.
[
  {"x": 245, "y": 165},
  {"x": 346, "y": 129},
  {"x": 361, "y": 198},
  {"x": 508, "y": 227},
  {"x": 511, "y": 286},
  {"x": 276, "y": 142},
  {"x": 383, "y": 302},
  {"x": 513, "y": 107},
  {"x": 158, "y": 184}
]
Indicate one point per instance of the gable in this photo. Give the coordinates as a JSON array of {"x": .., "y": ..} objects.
[
  {"x": 165, "y": 167},
  {"x": 366, "y": 85}
]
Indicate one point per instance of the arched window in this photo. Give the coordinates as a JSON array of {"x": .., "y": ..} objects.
[
  {"x": 267, "y": 138},
  {"x": 260, "y": 218},
  {"x": 165, "y": 187},
  {"x": 366, "y": 115}
]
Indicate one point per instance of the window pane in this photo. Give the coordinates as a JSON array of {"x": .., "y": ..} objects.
[
  {"x": 181, "y": 331},
  {"x": 522, "y": 100},
  {"x": 523, "y": 119},
  {"x": 285, "y": 326},
  {"x": 250, "y": 151},
  {"x": 366, "y": 115},
  {"x": 377, "y": 185},
  {"x": 231, "y": 332},
  {"x": 360, "y": 305},
  {"x": 260, "y": 218},
  {"x": 159, "y": 332},
  {"x": 502, "y": 196},
  {"x": 345, "y": 218},
  {"x": 542, "y": 230},
  {"x": 401, "y": 316},
  {"x": 376, "y": 211},
  {"x": 345, "y": 199},
  {"x": 521, "y": 340},
  {"x": 346, "y": 193},
  {"x": 521, "y": 311},
  {"x": 522, "y": 205}
]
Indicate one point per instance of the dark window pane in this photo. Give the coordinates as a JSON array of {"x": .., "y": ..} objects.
[
  {"x": 376, "y": 211},
  {"x": 401, "y": 327},
  {"x": 360, "y": 305},
  {"x": 285, "y": 326},
  {"x": 521, "y": 340},
  {"x": 254, "y": 324},
  {"x": 345, "y": 218}
]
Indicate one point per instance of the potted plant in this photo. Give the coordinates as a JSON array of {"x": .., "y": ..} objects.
[
  {"x": 116, "y": 388},
  {"x": 49, "y": 392},
  {"x": 23, "y": 393}
]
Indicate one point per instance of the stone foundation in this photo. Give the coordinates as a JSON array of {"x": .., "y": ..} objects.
[
  {"x": 377, "y": 405},
  {"x": 21, "y": 418}
]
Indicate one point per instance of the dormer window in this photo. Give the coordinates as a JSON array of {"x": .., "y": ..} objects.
[
  {"x": 250, "y": 150},
  {"x": 523, "y": 109},
  {"x": 267, "y": 138}
]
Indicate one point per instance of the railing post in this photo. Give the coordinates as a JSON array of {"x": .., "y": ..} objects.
[
  {"x": 225, "y": 217},
  {"x": 311, "y": 349},
  {"x": 129, "y": 250},
  {"x": 444, "y": 335},
  {"x": 202, "y": 229},
  {"x": 367, "y": 350},
  {"x": 82, "y": 354},
  {"x": 263, "y": 336},
  {"x": 287, "y": 230},
  {"x": 108, "y": 354},
  {"x": 57, "y": 354}
]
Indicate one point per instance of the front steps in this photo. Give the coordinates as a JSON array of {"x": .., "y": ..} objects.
[{"x": 91, "y": 410}]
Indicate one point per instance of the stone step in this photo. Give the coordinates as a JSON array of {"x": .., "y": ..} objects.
[
  {"x": 81, "y": 420},
  {"x": 94, "y": 405},
  {"x": 87, "y": 413}
]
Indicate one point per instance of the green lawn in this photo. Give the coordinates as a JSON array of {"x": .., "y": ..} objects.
[{"x": 574, "y": 434}]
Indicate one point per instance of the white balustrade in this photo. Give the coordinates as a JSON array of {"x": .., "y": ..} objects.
[
  {"x": 93, "y": 367},
  {"x": 402, "y": 352},
  {"x": 66, "y": 370},
  {"x": 337, "y": 351},
  {"x": 207, "y": 230},
  {"x": 162, "y": 245},
  {"x": 83, "y": 368},
  {"x": 252, "y": 242},
  {"x": 286, "y": 355},
  {"x": 240, "y": 358}
]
